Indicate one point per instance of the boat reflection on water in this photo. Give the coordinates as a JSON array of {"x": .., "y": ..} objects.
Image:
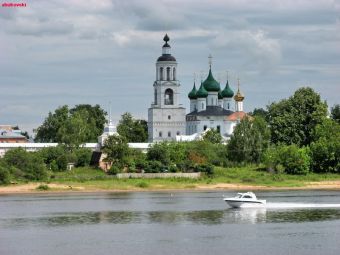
[{"x": 248, "y": 215}]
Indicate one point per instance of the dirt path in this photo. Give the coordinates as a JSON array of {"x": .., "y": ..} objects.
[{"x": 31, "y": 187}]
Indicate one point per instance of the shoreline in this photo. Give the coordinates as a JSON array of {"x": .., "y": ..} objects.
[{"x": 55, "y": 188}]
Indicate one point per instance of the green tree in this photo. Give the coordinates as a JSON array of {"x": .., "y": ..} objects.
[
  {"x": 288, "y": 158},
  {"x": 95, "y": 117},
  {"x": 293, "y": 120},
  {"x": 29, "y": 164},
  {"x": 249, "y": 140},
  {"x": 212, "y": 136},
  {"x": 83, "y": 123},
  {"x": 75, "y": 130},
  {"x": 135, "y": 131},
  {"x": 325, "y": 149},
  {"x": 260, "y": 112},
  {"x": 47, "y": 132},
  {"x": 116, "y": 149},
  {"x": 4, "y": 174},
  {"x": 335, "y": 113},
  {"x": 159, "y": 152}
]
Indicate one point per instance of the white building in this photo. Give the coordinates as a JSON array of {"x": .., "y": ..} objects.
[
  {"x": 166, "y": 116},
  {"x": 212, "y": 108}
]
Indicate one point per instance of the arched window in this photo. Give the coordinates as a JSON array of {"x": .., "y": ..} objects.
[
  {"x": 161, "y": 73},
  {"x": 174, "y": 74},
  {"x": 219, "y": 129},
  {"x": 178, "y": 133},
  {"x": 160, "y": 134},
  {"x": 228, "y": 106},
  {"x": 169, "y": 97},
  {"x": 155, "y": 95},
  {"x": 169, "y": 134},
  {"x": 204, "y": 128},
  {"x": 202, "y": 106},
  {"x": 168, "y": 73},
  {"x": 169, "y": 117}
]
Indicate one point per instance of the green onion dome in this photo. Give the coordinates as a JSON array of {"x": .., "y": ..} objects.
[
  {"x": 227, "y": 92},
  {"x": 210, "y": 84},
  {"x": 201, "y": 92},
  {"x": 220, "y": 95},
  {"x": 192, "y": 93}
]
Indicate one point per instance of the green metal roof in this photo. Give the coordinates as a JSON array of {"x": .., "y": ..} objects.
[
  {"x": 227, "y": 91},
  {"x": 192, "y": 93},
  {"x": 201, "y": 92},
  {"x": 210, "y": 84}
]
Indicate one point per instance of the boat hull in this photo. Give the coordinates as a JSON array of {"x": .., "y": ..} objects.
[{"x": 243, "y": 204}]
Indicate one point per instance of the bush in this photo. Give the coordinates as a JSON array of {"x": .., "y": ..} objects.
[
  {"x": 4, "y": 175},
  {"x": 28, "y": 165},
  {"x": 114, "y": 170},
  {"x": 207, "y": 169},
  {"x": 43, "y": 187},
  {"x": 154, "y": 167},
  {"x": 83, "y": 156},
  {"x": 290, "y": 159},
  {"x": 325, "y": 154}
]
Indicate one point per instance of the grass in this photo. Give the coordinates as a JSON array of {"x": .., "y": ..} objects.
[
  {"x": 90, "y": 179},
  {"x": 95, "y": 179}
]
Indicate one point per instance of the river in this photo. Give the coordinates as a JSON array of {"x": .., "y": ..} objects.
[{"x": 294, "y": 222}]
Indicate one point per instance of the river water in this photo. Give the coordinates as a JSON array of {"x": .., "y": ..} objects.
[{"x": 294, "y": 222}]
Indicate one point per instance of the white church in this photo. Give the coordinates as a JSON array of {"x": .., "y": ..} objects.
[{"x": 210, "y": 106}]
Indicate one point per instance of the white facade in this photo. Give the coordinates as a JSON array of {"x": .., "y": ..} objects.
[
  {"x": 212, "y": 108},
  {"x": 166, "y": 116}
]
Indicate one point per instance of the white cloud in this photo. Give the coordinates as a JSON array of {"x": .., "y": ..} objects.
[{"x": 254, "y": 47}]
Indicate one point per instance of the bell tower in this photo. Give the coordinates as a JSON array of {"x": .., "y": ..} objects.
[{"x": 166, "y": 116}]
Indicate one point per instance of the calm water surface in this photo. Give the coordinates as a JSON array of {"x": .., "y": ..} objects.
[{"x": 294, "y": 222}]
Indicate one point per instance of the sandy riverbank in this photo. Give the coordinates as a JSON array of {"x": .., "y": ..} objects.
[{"x": 54, "y": 187}]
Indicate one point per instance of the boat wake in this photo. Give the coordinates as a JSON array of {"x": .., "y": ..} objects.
[{"x": 299, "y": 205}]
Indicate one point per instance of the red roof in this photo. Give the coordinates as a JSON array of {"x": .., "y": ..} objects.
[{"x": 237, "y": 116}]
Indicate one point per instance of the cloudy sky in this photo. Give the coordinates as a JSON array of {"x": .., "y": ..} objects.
[{"x": 71, "y": 52}]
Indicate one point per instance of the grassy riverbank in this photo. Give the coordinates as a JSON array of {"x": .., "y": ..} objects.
[{"x": 250, "y": 177}]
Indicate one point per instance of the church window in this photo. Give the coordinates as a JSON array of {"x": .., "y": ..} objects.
[
  {"x": 155, "y": 95},
  {"x": 169, "y": 97},
  {"x": 212, "y": 101},
  {"x": 161, "y": 73},
  {"x": 205, "y": 127},
  {"x": 169, "y": 134},
  {"x": 160, "y": 134},
  {"x": 218, "y": 129},
  {"x": 169, "y": 117},
  {"x": 168, "y": 73},
  {"x": 228, "y": 106},
  {"x": 178, "y": 133},
  {"x": 174, "y": 74},
  {"x": 202, "y": 106}
]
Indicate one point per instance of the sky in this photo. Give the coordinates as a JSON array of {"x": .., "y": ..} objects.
[{"x": 73, "y": 52}]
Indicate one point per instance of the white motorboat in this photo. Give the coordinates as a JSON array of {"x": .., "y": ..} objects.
[{"x": 247, "y": 199}]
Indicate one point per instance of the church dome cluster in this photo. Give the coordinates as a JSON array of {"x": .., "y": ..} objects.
[{"x": 211, "y": 85}]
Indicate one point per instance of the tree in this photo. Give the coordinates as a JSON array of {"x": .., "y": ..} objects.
[
  {"x": 83, "y": 123},
  {"x": 212, "y": 136},
  {"x": 95, "y": 116},
  {"x": 288, "y": 158},
  {"x": 135, "y": 131},
  {"x": 47, "y": 132},
  {"x": 335, "y": 113},
  {"x": 116, "y": 149},
  {"x": 75, "y": 130},
  {"x": 293, "y": 120},
  {"x": 4, "y": 174},
  {"x": 325, "y": 149},
  {"x": 260, "y": 112},
  {"x": 28, "y": 165},
  {"x": 249, "y": 140}
]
